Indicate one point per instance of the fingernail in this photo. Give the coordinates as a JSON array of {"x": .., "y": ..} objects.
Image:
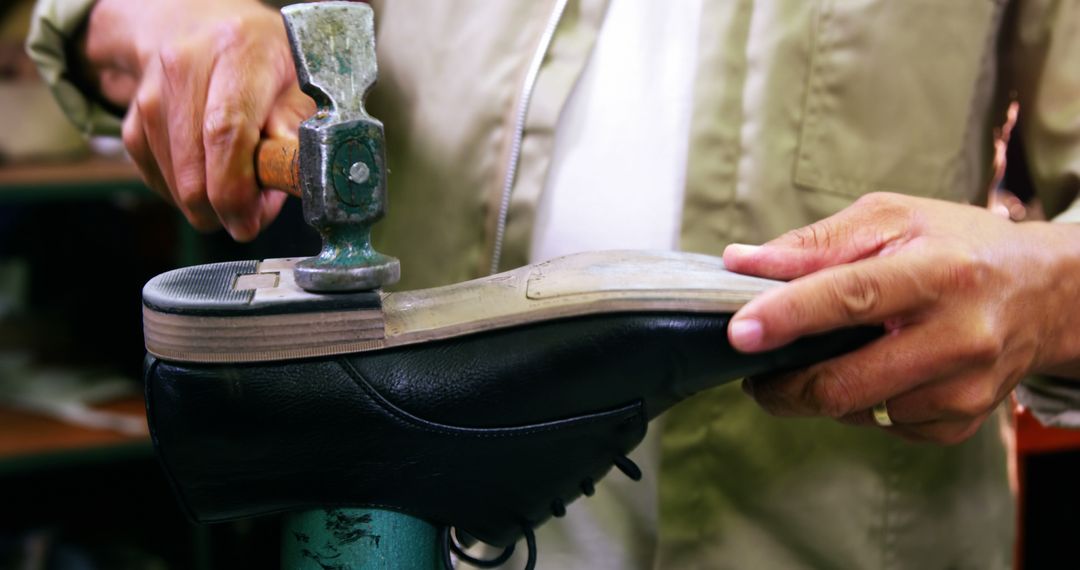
[
  {"x": 745, "y": 334},
  {"x": 242, "y": 230},
  {"x": 741, "y": 249}
]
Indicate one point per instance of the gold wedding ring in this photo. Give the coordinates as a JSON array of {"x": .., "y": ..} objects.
[{"x": 881, "y": 415}]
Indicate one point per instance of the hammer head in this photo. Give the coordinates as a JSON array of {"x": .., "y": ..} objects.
[{"x": 342, "y": 158}]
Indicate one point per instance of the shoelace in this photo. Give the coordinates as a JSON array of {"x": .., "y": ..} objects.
[{"x": 448, "y": 541}]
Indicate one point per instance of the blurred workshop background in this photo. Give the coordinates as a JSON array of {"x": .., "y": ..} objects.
[{"x": 79, "y": 235}]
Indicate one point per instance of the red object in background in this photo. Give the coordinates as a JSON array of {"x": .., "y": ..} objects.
[
  {"x": 1033, "y": 437},
  {"x": 1048, "y": 497}
]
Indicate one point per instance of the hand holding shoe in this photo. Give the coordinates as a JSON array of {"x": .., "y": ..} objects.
[{"x": 971, "y": 303}]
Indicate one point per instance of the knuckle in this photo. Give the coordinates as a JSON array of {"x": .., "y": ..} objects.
[
  {"x": 982, "y": 344},
  {"x": 762, "y": 391},
  {"x": 962, "y": 271},
  {"x": 224, "y": 126},
  {"x": 173, "y": 59},
  {"x": 885, "y": 209},
  {"x": 176, "y": 61},
  {"x": 231, "y": 33},
  {"x": 987, "y": 348},
  {"x": 148, "y": 101},
  {"x": 831, "y": 394},
  {"x": 975, "y": 400},
  {"x": 873, "y": 200},
  {"x": 190, "y": 179},
  {"x": 192, "y": 192},
  {"x": 229, "y": 125},
  {"x": 768, "y": 392},
  {"x": 814, "y": 236},
  {"x": 192, "y": 201},
  {"x": 857, "y": 294},
  {"x": 132, "y": 137},
  {"x": 936, "y": 408}
]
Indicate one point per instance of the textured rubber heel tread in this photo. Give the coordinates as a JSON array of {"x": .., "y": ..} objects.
[
  {"x": 200, "y": 289},
  {"x": 213, "y": 290}
]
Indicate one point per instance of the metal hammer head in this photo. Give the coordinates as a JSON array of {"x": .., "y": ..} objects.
[{"x": 342, "y": 159}]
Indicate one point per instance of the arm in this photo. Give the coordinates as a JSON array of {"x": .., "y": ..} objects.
[{"x": 201, "y": 81}]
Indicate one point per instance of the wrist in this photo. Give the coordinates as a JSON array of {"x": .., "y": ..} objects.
[{"x": 1058, "y": 247}]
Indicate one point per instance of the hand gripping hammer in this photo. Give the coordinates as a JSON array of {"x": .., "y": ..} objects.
[{"x": 339, "y": 169}]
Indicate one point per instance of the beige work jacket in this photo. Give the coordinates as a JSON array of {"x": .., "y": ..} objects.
[{"x": 800, "y": 107}]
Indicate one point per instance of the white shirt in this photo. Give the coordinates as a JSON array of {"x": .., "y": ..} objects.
[
  {"x": 616, "y": 182},
  {"x": 619, "y": 163}
]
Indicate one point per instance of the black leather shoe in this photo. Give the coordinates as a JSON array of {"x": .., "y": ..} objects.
[{"x": 487, "y": 405}]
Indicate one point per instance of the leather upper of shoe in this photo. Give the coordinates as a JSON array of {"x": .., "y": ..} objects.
[{"x": 488, "y": 432}]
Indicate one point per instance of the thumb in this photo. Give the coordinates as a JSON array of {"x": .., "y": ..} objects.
[
  {"x": 290, "y": 109},
  {"x": 283, "y": 122}
]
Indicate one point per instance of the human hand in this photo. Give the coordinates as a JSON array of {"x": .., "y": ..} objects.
[
  {"x": 202, "y": 81},
  {"x": 970, "y": 303}
]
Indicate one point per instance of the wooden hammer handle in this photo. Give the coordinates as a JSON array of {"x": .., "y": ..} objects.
[{"x": 277, "y": 165}]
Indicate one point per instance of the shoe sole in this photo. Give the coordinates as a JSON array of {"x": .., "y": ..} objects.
[{"x": 253, "y": 311}]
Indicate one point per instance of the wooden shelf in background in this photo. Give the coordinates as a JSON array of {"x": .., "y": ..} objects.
[
  {"x": 31, "y": 441},
  {"x": 87, "y": 177}
]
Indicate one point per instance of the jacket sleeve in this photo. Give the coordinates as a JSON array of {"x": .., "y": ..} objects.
[
  {"x": 54, "y": 24},
  {"x": 1044, "y": 72}
]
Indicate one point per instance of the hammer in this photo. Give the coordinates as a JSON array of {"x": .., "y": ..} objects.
[{"x": 338, "y": 168}]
